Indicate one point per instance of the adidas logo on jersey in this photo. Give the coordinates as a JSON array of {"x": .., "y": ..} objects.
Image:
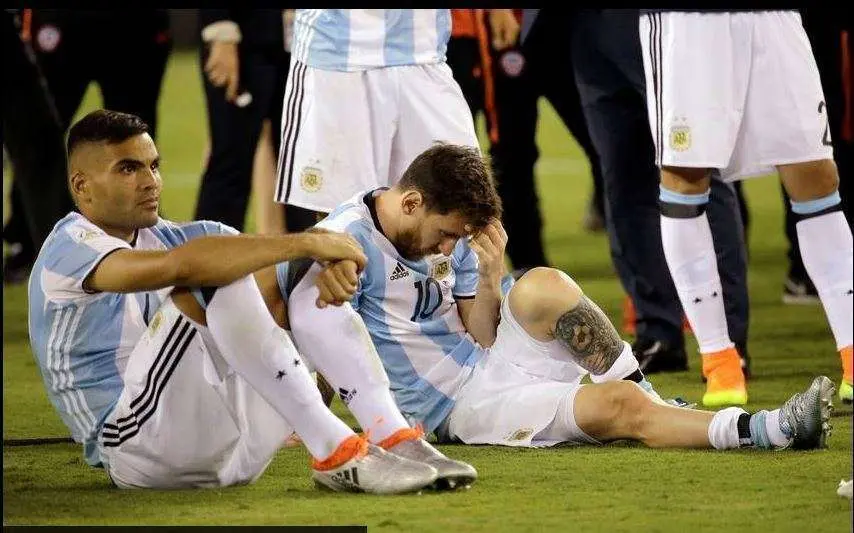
[{"x": 399, "y": 272}]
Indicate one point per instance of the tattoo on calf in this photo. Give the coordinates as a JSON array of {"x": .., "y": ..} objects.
[{"x": 589, "y": 336}]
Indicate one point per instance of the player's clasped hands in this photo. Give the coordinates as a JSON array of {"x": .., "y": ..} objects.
[
  {"x": 489, "y": 244},
  {"x": 343, "y": 260}
]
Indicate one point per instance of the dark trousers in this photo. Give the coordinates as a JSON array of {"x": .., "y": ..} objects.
[
  {"x": 520, "y": 77},
  {"x": 609, "y": 74},
  {"x": 234, "y": 132},
  {"x": 33, "y": 138},
  {"x": 124, "y": 52}
]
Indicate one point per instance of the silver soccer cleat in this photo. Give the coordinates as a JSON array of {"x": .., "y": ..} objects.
[
  {"x": 377, "y": 472},
  {"x": 452, "y": 474},
  {"x": 805, "y": 417}
]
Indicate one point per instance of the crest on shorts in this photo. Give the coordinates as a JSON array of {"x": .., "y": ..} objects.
[
  {"x": 48, "y": 38},
  {"x": 441, "y": 269},
  {"x": 521, "y": 434},
  {"x": 512, "y": 63},
  {"x": 680, "y": 137},
  {"x": 311, "y": 179}
]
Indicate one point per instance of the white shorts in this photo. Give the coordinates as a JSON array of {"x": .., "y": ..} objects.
[
  {"x": 515, "y": 390},
  {"x": 345, "y": 132},
  {"x": 739, "y": 92},
  {"x": 184, "y": 418}
]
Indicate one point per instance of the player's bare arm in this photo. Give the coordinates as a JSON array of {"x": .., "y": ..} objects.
[
  {"x": 480, "y": 314},
  {"x": 214, "y": 261}
]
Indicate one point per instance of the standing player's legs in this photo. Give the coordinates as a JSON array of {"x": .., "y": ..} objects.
[
  {"x": 824, "y": 238},
  {"x": 336, "y": 132},
  {"x": 693, "y": 103},
  {"x": 431, "y": 109},
  {"x": 786, "y": 125}
]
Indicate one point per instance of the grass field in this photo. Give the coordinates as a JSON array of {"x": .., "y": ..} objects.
[{"x": 621, "y": 487}]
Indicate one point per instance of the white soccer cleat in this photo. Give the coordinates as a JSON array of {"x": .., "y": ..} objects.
[{"x": 373, "y": 470}]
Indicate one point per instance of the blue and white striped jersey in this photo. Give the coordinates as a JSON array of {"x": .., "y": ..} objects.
[
  {"x": 361, "y": 39},
  {"x": 82, "y": 340},
  {"x": 409, "y": 308}
]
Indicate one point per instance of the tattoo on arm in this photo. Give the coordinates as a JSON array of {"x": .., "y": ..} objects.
[{"x": 589, "y": 336}]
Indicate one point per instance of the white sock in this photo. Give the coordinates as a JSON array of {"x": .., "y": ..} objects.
[
  {"x": 723, "y": 431},
  {"x": 339, "y": 346},
  {"x": 625, "y": 365},
  {"x": 772, "y": 429},
  {"x": 826, "y": 249},
  {"x": 262, "y": 353},
  {"x": 690, "y": 254}
]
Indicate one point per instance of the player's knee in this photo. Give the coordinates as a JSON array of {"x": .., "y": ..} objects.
[
  {"x": 685, "y": 180},
  {"x": 810, "y": 180},
  {"x": 542, "y": 295}
]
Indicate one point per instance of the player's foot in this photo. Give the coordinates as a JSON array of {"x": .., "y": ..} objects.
[
  {"x": 805, "y": 417},
  {"x": 725, "y": 383},
  {"x": 410, "y": 443},
  {"x": 799, "y": 291},
  {"x": 358, "y": 466},
  {"x": 655, "y": 356}
]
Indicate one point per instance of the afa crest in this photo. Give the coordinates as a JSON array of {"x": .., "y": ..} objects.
[
  {"x": 680, "y": 138},
  {"x": 521, "y": 434},
  {"x": 441, "y": 269},
  {"x": 311, "y": 179}
]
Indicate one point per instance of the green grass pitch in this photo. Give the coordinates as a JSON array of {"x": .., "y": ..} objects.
[{"x": 620, "y": 487}]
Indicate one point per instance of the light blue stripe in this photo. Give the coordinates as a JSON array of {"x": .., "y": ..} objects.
[
  {"x": 666, "y": 195},
  {"x": 758, "y": 431},
  {"x": 330, "y": 45},
  {"x": 399, "y": 45},
  {"x": 814, "y": 206},
  {"x": 443, "y": 32}
]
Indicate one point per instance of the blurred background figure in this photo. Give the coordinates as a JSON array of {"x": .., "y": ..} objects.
[
  {"x": 245, "y": 56},
  {"x": 33, "y": 139},
  {"x": 506, "y": 85},
  {"x": 75, "y": 47}
]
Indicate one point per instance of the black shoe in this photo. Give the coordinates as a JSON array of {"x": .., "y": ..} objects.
[
  {"x": 17, "y": 267},
  {"x": 654, "y": 356},
  {"x": 799, "y": 290}
]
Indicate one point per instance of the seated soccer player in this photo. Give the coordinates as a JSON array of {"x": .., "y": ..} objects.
[
  {"x": 474, "y": 362},
  {"x": 159, "y": 391}
]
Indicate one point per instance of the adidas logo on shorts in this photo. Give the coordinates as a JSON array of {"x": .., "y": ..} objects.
[{"x": 399, "y": 272}]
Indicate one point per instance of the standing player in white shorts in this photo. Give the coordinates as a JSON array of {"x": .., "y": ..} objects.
[
  {"x": 472, "y": 364},
  {"x": 739, "y": 91},
  {"x": 161, "y": 393},
  {"x": 369, "y": 90}
]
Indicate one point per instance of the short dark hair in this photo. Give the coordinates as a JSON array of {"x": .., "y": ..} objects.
[
  {"x": 454, "y": 178},
  {"x": 107, "y": 126}
]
